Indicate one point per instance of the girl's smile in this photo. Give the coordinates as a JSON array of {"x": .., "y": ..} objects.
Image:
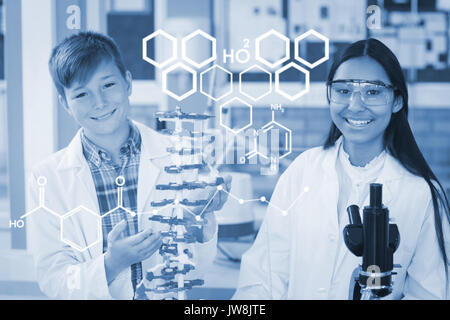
[{"x": 362, "y": 116}]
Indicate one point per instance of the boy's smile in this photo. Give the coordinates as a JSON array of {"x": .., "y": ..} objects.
[
  {"x": 100, "y": 104},
  {"x": 105, "y": 116}
]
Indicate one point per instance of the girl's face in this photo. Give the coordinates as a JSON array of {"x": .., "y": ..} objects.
[{"x": 362, "y": 122}]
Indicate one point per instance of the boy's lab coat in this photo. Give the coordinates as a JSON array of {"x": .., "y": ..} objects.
[
  {"x": 66, "y": 273},
  {"x": 302, "y": 247}
]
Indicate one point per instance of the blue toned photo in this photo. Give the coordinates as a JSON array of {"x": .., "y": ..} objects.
[{"x": 224, "y": 150}]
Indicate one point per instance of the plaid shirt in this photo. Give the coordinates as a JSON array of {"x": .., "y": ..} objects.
[{"x": 104, "y": 172}]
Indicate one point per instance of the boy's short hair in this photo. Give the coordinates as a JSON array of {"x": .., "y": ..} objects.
[{"x": 78, "y": 55}]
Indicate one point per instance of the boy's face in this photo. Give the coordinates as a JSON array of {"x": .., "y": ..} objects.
[{"x": 100, "y": 105}]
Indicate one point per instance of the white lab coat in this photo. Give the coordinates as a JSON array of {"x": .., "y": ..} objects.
[
  {"x": 302, "y": 247},
  {"x": 70, "y": 184}
]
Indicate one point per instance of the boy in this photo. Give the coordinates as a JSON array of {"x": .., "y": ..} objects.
[{"x": 94, "y": 88}]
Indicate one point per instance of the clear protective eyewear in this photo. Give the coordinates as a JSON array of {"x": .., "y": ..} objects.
[{"x": 372, "y": 93}]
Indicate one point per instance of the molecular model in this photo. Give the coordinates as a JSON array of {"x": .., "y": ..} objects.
[{"x": 184, "y": 226}]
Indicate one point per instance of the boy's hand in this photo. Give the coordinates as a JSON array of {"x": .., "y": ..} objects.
[
  {"x": 124, "y": 251},
  {"x": 209, "y": 228},
  {"x": 216, "y": 200}
]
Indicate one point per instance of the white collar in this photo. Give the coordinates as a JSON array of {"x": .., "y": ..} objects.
[
  {"x": 369, "y": 172},
  {"x": 392, "y": 169},
  {"x": 154, "y": 145}
]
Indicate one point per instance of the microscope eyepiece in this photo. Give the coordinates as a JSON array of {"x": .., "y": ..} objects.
[
  {"x": 353, "y": 214},
  {"x": 376, "y": 195}
]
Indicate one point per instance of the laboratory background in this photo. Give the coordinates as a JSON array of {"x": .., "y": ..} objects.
[{"x": 247, "y": 89}]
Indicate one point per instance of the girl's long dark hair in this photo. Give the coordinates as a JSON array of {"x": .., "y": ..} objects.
[{"x": 398, "y": 137}]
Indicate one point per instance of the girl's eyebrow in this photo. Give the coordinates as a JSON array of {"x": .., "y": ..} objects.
[
  {"x": 348, "y": 79},
  {"x": 363, "y": 80}
]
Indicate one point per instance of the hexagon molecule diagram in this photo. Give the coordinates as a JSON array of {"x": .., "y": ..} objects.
[
  {"x": 166, "y": 41},
  {"x": 289, "y": 91},
  {"x": 274, "y": 139},
  {"x": 216, "y": 82},
  {"x": 275, "y": 43},
  {"x": 237, "y": 103},
  {"x": 188, "y": 43},
  {"x": 312, "y": 34},
  {"x": 247, "y": 89},
  {"x": 71, "y": 224},
  {"x": 182, "y": 93}
]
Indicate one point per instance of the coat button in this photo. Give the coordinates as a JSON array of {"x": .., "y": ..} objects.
[
  {"x": 321, "y": 290},
  {"x": 332, "y": 237}
]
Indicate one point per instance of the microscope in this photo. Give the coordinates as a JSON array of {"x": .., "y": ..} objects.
[{"x": 375, "y": 239}]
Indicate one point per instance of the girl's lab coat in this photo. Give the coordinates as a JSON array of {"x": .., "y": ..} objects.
[
  {"x": 64, "y": 272},
  {"x": 302, "y": 255}
]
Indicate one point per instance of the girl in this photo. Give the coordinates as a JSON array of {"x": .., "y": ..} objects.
[{"x": 299, "y": 252}]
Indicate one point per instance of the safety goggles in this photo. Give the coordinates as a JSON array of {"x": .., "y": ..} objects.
[{"x": 372, "y": 93}]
